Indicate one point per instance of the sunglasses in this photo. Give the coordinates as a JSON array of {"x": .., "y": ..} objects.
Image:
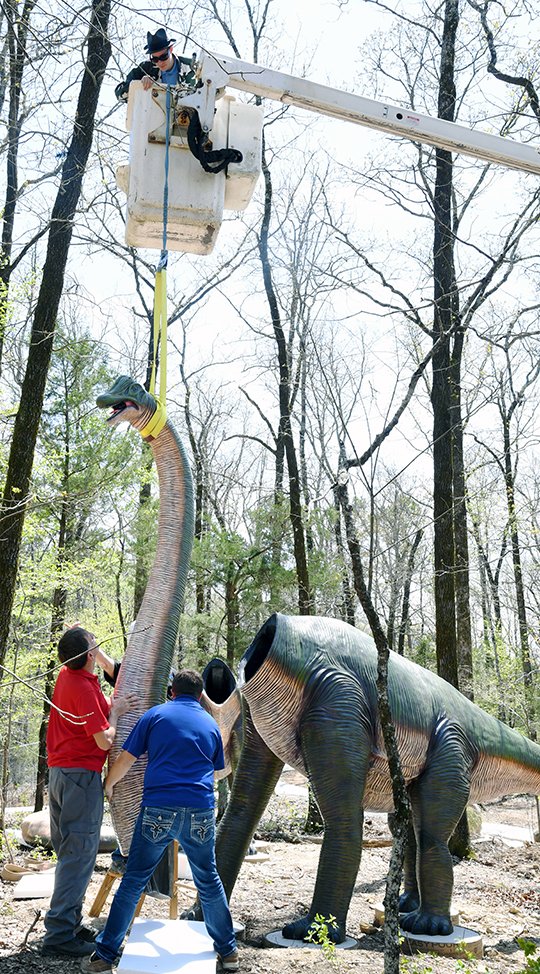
[{"x": 156, "y": 58}]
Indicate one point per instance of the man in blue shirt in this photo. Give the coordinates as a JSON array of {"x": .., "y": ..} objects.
[
  {"x": 163, "y": 66},
  {"x": 184, "y": 749}
]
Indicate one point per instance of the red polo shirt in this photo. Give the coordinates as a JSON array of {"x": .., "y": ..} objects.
[{"x": 69, "y": 744}]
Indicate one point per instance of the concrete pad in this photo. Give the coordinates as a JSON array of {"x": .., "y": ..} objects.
[
  {"x": 35, "y": 886},
  {"x": 184, "y": 869},
  {"x": 276, "y": 939},
  {"x": 296, "y": 791},
  {"x": 261, "y": 846},
  {"x": 514, "y": 836},
  {"x": 168, "y": 947}
]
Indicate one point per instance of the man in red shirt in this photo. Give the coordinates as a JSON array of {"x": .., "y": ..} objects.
[{"x": 82, "y": 728}]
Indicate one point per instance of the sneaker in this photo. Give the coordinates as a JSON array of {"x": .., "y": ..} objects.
[
  {"x": 76, "y": 947},
  {"x": 230, "y": 962},
  {"x": 96, "y": 965},
  {"x": 86, "y": 933}
]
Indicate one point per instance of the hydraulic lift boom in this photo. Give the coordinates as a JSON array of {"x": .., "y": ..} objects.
[{"x": 215, "y": 73}]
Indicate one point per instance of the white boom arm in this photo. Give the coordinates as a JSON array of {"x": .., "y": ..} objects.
[{"x": 216, "y": 72}]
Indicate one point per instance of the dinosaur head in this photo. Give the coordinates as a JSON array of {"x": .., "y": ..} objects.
[{"x": 128, "y": 401}]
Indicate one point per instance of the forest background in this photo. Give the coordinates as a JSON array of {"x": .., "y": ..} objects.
[{"x": 355, "y": 369}]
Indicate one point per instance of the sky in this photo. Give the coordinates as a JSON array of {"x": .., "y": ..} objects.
[{"x": 327, "y": 47}]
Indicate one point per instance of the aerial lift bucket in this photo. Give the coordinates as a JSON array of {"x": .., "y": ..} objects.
[{"x": 196, "y": 199}]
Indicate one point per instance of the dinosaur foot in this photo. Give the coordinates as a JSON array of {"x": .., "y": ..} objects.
[
  {"x": 409, "y": 902},
  {"x": 299, "y": 929},
  {"x": 419, "y": 921}
]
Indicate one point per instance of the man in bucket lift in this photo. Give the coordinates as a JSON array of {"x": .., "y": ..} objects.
[
  {"x": 163, "y": 66},
  {"x": 167, "y": 69}
]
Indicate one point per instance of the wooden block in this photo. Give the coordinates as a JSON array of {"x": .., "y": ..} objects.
[
  {"x": 168, "y": 947},
  {"x": 461, "y": 943},
  {"x": 103, "y": 893},
  {"x": 101, "y": 896}
]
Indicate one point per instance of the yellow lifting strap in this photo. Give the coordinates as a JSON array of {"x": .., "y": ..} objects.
[{"x": 156, "y": 424}]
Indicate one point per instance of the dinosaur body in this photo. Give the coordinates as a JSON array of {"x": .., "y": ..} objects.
[
  {"x": 309, "y": 686},
  {"x": 147, "y": 662}
]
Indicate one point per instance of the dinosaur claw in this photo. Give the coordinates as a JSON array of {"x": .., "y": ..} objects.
[{"x": 419, "y": 921}]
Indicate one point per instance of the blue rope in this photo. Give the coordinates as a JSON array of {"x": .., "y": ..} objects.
[{"x": 164, "y": 254}]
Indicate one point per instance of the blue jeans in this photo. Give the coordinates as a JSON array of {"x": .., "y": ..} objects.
[{"x": 155, "y": 828}]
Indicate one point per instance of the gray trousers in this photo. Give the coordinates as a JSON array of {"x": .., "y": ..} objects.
[{"x": 76, "y": 813}]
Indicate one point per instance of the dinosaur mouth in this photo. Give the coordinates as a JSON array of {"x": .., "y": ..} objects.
[{"x": 119, "y": 408}]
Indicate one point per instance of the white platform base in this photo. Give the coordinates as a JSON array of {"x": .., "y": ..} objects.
[
  {"x": 168, "y": 947},
  {"x": 276, "y": 939},
  {"x": 257, "y": 857},
  {"x": 35, "y": 886}
]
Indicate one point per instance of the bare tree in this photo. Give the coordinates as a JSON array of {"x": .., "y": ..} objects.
[{"x": 17, "y": 485}]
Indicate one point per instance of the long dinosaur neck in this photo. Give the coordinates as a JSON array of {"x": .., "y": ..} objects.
[
  {"x": 149, "y": 654},
  {"x": 147, "y": 661}
]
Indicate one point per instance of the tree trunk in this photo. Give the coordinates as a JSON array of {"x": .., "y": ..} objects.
[
  {"x": 314, "y": 823},
  {"x": 445, "y": 317},
  {"x": 400, "y": 820},
  {"x": 21, "y": 457},
  {"x": 518, "y": 581},
  {"x": 6, "y": 746},
  {"x": 305, "y": 604},
  {"x": 57, "y": 620},
  {"x": 407, "y": 593},
  {"x": 201, "y": 601},
  {"x": 17, "y": 55},
  {"x": 492, "y": 622},
  {"x": 232, "y": 610},
  {"x": 310, "y": 544},
  {"x": 461, "y": 574},
  {"x": 444, "y": 297},
  {"x": 347, "y": 613},
  {"x": 277, "y": 521}
]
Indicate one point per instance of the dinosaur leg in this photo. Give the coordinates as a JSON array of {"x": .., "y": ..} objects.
[
  {"x": 438, "y": 799},
  {"x": 254, "y": 782},
  {"x": 336, "y": 739}
]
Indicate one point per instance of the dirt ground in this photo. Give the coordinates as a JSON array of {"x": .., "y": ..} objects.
[{"x": 497, "y": 893}]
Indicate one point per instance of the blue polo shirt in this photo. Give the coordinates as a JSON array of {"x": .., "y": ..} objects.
[{"x": 184, "y": 749}]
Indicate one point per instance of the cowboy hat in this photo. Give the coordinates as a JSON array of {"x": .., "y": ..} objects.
[{"x": 158, "y": 41}]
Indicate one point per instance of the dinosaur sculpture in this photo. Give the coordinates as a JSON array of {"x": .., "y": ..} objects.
[
  {"x": 310, "y": 700},
  {"x": 147, "y": 662},
  {"x": 221, "y": 699}
]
